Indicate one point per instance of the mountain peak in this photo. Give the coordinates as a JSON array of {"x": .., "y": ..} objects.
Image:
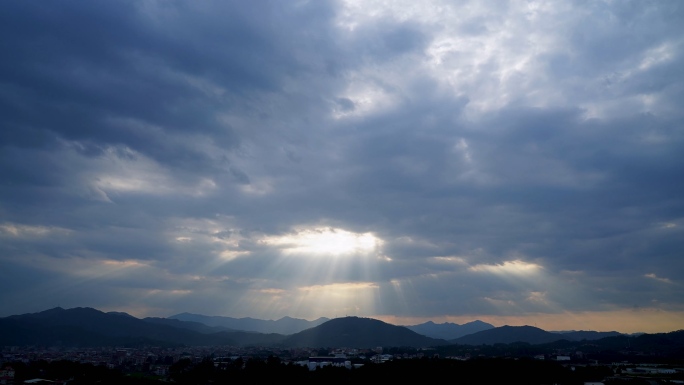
[
  {"x": 121, "y": 313},
  {"x": 509, "y": 334},
  {"x": 53, "y": 310},
  {"x": 449, "y": 331},
  {"x": 359, "y": 332}
]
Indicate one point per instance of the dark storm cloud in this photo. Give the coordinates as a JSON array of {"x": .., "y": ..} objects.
[
  {"x": 522, "y": 159},
  {"x": 111, "y": 74}
]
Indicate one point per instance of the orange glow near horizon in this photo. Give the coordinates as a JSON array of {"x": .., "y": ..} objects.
[
  {"x": 630, "y": 321},
  {"x": 624, "y": 321}
]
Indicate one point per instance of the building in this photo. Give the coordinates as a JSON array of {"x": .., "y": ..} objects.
[
  {"x": 7, "y": 376},
  {"x": 319, "y": 362}
]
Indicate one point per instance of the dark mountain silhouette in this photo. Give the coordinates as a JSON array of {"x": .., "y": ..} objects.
[
  {"x": 120, "y": 313},
  {"x": 669, "y": 343},
  {"x": 449, "y": 331},
  {"x": 355, "y": 332},
  {"x": 91, "y": 327},
  {"x": 587, "y": 335},
  {"x": 285, "y": 325},
  {"x": 529, "y": 334},
  {"x": 509, "y": 334},
  {"x": 660, "y": 344}
]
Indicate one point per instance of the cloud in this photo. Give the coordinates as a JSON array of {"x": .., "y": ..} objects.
[
  {"x": 523, "y": 158},
  {"x": 659, "y": 279}
]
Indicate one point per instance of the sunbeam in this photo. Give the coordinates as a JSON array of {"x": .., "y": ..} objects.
[{"x": 324, "y": 241}]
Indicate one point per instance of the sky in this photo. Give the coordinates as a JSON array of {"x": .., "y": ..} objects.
[{"x": 516, "y": 162}]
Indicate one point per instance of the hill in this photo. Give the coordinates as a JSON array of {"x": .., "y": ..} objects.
[
  {"x": 355, "y": 332},
  {"x": 509, "y": 334},
  {"x": 587, "y": 335}
]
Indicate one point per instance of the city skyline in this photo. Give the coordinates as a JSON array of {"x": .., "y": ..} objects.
[{"x": 514, "y": 162}]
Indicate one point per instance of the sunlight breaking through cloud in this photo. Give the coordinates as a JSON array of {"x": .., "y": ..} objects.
[
  {"x": 515, "y": 267},
  {"x": 338, "y": 299},
  {"x": 325, "y": 241},
  {"x": 408, "y": 158}
]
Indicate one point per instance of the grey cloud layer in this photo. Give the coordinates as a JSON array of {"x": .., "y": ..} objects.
[{"x": 147, "y": 150}]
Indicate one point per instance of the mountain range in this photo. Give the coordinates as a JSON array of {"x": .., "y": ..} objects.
[
  {"x": 285, "y": 325},
  {"x": 91, "y": 327},
  {"x": 528, "y": 334}
]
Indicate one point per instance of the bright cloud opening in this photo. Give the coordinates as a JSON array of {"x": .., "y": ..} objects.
[
  {"x": 325, "y": 241},
  {"x": 516, "y": 267},
  {"x": 26, "y": 231}
]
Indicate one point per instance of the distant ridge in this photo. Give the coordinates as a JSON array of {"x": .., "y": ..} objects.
[
  {"x": 509, "y": 334},
  {"x": 449, "y": 331},
  {"x": 588, "y": 335},
  {"x": 285, "y": 325},
  {"x": 355, "y": 332},
  {"x": 84, "y": 326},
  {"x": 529, "y": 334},
  {"x": 190, "y": 325}
]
